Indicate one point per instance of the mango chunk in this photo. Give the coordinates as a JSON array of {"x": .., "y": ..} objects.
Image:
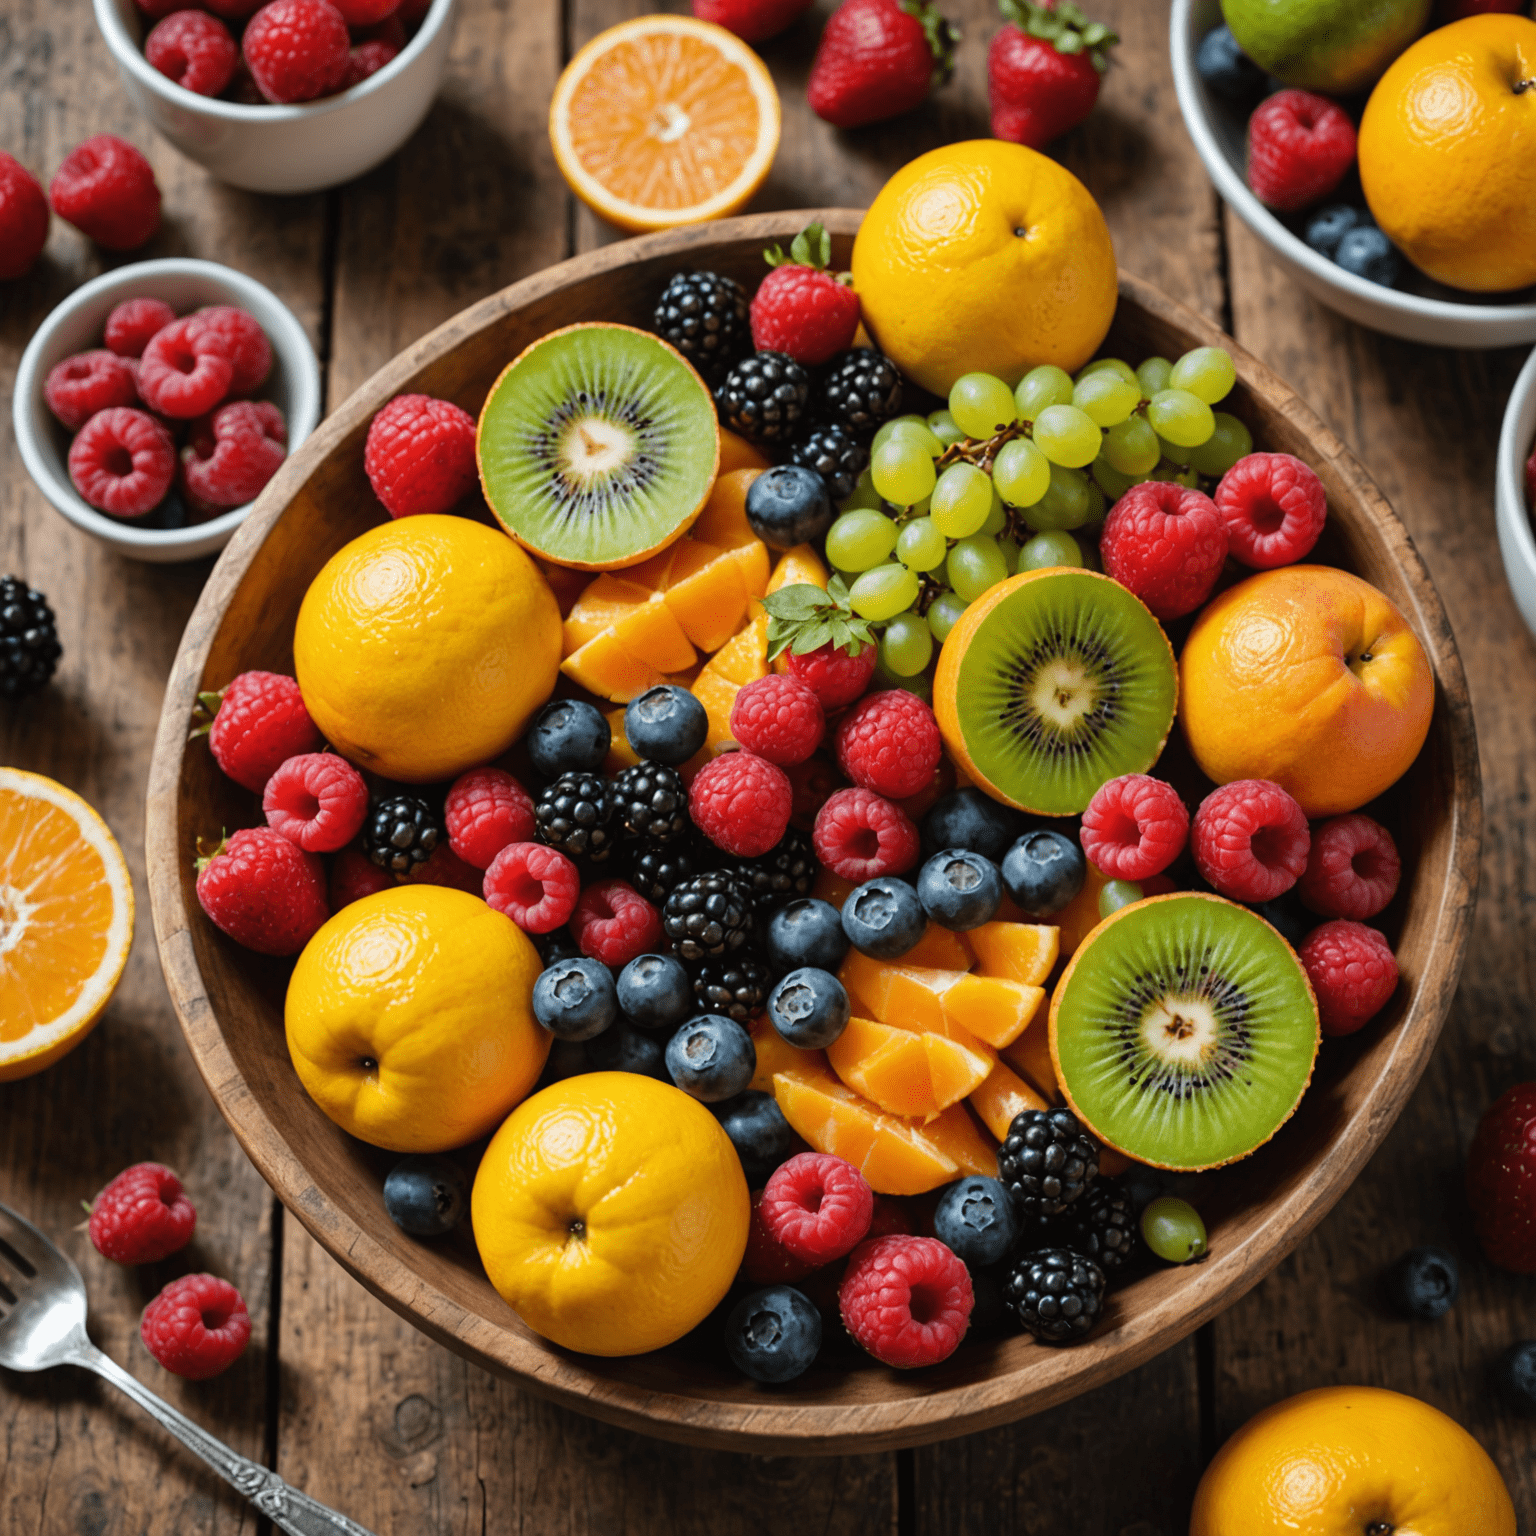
[
  {"x": 941, "y": 950},
  {"x": 1030, "y": 1055},
  {"x": 800, "y": 566},
  {"x": 1001, "y": 1097},
  {"x": 956, "y": 1134},
  {"x": 776, "y": 1054},
  {"x": 1023, "y": 952},
  {"x": 737, "y": 453},
  {"x": 994, "y": 1008},
  {"x": 604, "y": 667},
  {"x": 906, "y": 1073},
  {"x": 602, "y": 603}
]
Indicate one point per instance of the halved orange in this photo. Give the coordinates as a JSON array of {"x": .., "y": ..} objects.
[
  {"x": 664, "y": 120},
  {"x": 66, "y": 921}
]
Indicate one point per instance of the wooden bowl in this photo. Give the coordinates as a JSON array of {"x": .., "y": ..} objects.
[{"x": 230, "y": 1002}]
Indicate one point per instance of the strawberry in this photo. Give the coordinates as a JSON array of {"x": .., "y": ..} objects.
[
  {"x": 877, "y": 58},
  {"x": 1043, "y": 70},
  {"x": 830, "y": 648},
  {"x": 1501, "y": 1180},
  {"x": 801, "y": 308},
  {"x": 751, "y": 20}
]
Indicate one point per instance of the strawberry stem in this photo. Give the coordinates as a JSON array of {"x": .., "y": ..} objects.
[{"x": 1064, "y": 26}]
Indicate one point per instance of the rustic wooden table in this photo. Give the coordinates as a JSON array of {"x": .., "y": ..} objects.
[{"x": 335, "y": 1391}]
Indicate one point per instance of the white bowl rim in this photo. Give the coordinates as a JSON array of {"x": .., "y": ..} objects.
[
  {"x": 1509, "y": 493},
  {"x": 131, "y": 57},
  {"x": 1264, "y": 224},
  {"x": 293, "y": 347}
]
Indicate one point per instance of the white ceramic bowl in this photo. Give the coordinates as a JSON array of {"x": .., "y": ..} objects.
[
  {"x": 1517, "y": 543},
  {"x": 1421, "y": 311},
  {"x": 76, "y": 326},
  {"x": 300, "y": 148}
]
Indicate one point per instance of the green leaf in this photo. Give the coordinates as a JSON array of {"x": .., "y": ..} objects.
[
  {"x": 210, "y": 702},
  {"x": 812, "y": 638},
  {"x": 1069, "y": 43},
  {"x": 802, "y": 600},
  {"x": 837, "y": 590}
]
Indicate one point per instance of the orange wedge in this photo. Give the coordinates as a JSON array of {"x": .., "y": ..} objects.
[
  {"x": 66, "y": 921},
  {"x": 664, "y": 120}
]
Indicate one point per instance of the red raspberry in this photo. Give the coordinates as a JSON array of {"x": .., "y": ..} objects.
[
  {"x": 1274, "y": 508},
  {"x": 835, "y": 677},
  {"x": 233, "y": 10},
  {"x": 133, "y": 322},
  {"x": 889, "y": 1220},
  {"x": 779, "y": 718},
  {"x": 364, "y": 60},
  {"x": 196, "y": 1327},
  {"x": 122, "y": 461},
  {"x": 1166, "y": 543},
  {"x": 889, "y": 742},
  {"x": 1250, "y": 840},
  {"x": 263, "y": 891},
  {"x": 767, "y": 1261},
  {"x": 485, "y": 810},
  {"x": 613, "y": 923},
  {"x": 142, "y": 1216},
  {"x": 1353, "y": 972},
  {"x": 365, "y": 13},
  {"x": 741, "y": 802},
  {"x": 412, "y": 12},
  {"x": 23, "y": 218},
  {"x": 1300, "y": 147},
  {"x": 231, "y": 457},
  {"x": 751, "y": 20},
  {"x": 391, "y": 30},
  {"x": 1352, "y": 870},
  {"x": 193, "y": 49},
  {"x": 86, "y": 383},
  {"x": 535, "y": 885},
  {"x": 812, "y": 783},
  {"x": 1135, "y": 827},
  {"x": 260, "y": 723},
  {"x": 907, "y": 1300},
  {"x": 817, "y": 1207},
  {"x": 804, "y": 312},
  {"x": 445, "y": 867},
  {"x": 420, "y": 455},
  {"x": 317, "y": 800},
  {"x": 1501, "y": 1180},
  {"x": 860, "y": 834},
  {"x": 354, "y": 875},
  {"x": 250, "y": 351},
  {"x": 185, "y": 370},
  {"x": 106, "y": 189},
  {"x": 296, "y": 50}
]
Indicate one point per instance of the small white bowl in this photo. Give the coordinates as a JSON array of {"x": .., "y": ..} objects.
[
  {"x": 302, "y": 148},
  {"x": 1517, "y": 543},
  {"x": 1429, "y": 312},
  {"x": 76, "y": 326}
]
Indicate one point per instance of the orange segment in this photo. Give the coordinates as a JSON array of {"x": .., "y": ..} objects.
[
  {"x": 741, "y": 660},
  {"x": 956, "y": 1134},
  {"x": 602, "y": 666},
  {"x": 775, "y": 1054},
  {"x": 724, "y": 522},
  {"x": 705, "y": 589},
  {"x": 993, "y": 1008},
  {"x": 737, "y": 453},
  {"x": 905, "y": 1073},
  {"x": 1030, "y": 1054},
  {"x": 1022, "y": 952},
  {"x": 941, "y": 950},
  {"x": 1001, "y": 1097},
  {"x": 604, "y": 600}
]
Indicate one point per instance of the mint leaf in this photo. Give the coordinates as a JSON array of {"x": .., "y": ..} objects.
[{"x": 812, "y": 638}]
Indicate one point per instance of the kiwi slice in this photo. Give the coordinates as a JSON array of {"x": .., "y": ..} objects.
[
  {"x": 597, "y": 446},
  {"x": 1184, "y": 1031},
  {"x": 1052, "y": 683}
]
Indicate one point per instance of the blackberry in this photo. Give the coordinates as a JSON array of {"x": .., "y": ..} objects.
[
  {"x": 1047, "y": 1161},
  {"x": 555, "y": 947},
  {"x": 651, "y": 801},
  {"x": 709, "y": 916},
  {"x": 1101, "y": 1226},
  {"x": 764, "y": 397},
  {"x": 836, "y": 456},
  {"x": 657, "y": 869},
  {"x": 778, "y": 877},
  {"x": 1055, "y": 1294},
  {"x": 736, "y": 986},
  {"x": 400, "y": 833},
  {"x": 860, "y": 390},
  {"x": 705, "y": 316},
  {"x": 29, "y": 642},
  {"x": 575, "y": 815}
]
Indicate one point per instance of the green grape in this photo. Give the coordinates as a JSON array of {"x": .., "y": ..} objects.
[
  {"x": 883, "y": 591},
  {"x": 1153, "y": 376},
  {"x": 1131, "y": 446},
  {"x": 906, "y": 647},
  {"x": 897, "y": 424},
  {"x": 1179, "y": 416},
  {"x": 921, "y": 684},
  {"x": 943, "y": 614},
  {"x": 1040, "y": 387},
  {"x": 863, "y": 494},
  {"x": 1207, "y": 373},
  {"x": 1109, "y": 365},
  {"x": 982, "y": 404},
  {"x": 1230, "y": 442},
  {"x": 1066, "y": 435},
  {"x": 1189, "y": 477},
  {"x": 1021, "y": 473},
  {"x": 902, "y": 470},
  {"x": 997, "y": 515},
  {"x": 1110, "y": 480},
  {"x": 1173, "y": 1230},
  {"x": 920, "y": 546},
  {"x": 961, "y": 501},
  {"x": 1064, "y": 505},
  {"x": 1048, "y": 549},
  {"x": 945, "y": 428},
  {"x": 1105, "y": 397},
  {"x": 1117, "y": 894},
  {"x": 1010, "y": 548},
  {"x": 974, "y": 565},
  {"x": 1173, "y": 453},
  {"x": 860, "y": 539},
  {"x": 1097, "y": 505}
]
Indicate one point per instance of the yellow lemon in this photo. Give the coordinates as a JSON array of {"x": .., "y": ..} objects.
[
  {"x": 410, "y": 1019},
  {"x": 984, "y": 257},
  {"x": 424, "y": 646},
  {"x": 611, "y": 1213}
]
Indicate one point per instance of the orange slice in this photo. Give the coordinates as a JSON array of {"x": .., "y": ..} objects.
[
  {"x": 1002, "y": 1096},
  {"x": 664, "y": 120},
  {"x": 66, "y": 921}
]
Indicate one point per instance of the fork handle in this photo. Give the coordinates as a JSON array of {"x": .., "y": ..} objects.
[{"x": 287, "y": 1508}]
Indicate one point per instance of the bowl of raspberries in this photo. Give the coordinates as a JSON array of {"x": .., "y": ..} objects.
[
  {"x": 154, "y": 404},
  {"x": 281, "y": 95}
]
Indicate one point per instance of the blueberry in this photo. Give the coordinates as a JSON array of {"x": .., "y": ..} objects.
[
  {"x": 1423, "y": 1283},
  {"x": 976, "y": 1220},
  {"x": 1515, "y": 1375},
  {"x": 883, "y": 918},
  {"x": 624, "y": 1049},
  {"x": 1286, "y": 915},
  {"x": 969, "y": 819},
  {"x": 1369, "y": 254},
  {"x": 655, "y": 991},
  {"x": 773, "y": 1335},
  {"x": 806, "y": 932},
  {"x": 809, "y": 1008},
  {"x": 1226, "y": 69},
  {"x": 1326, "y": 229},
  {"x": 1044, "y": 871},
  {"x": 568, "y": 736},
  {"x": 711, "y": 1057},
  {"x": 789, "y": 505},
  {"x": 575, "y": 999},
  {"x": 426, "y": 1195},
  {"x": 665, "y": 724},
  {"x": 567, "y": 1058},
  {"x": 959, "y": 889},
  {"x": 763, "y": 1138}
]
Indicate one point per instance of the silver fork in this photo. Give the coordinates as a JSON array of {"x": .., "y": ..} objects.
[{"x": 42, "y": 1324}]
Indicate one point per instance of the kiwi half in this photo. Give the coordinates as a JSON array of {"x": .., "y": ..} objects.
[
  {"x": 1052, "y": 683},
  {"x": 597, "y": 446},
  {"x": 1184, "y": 1031}
]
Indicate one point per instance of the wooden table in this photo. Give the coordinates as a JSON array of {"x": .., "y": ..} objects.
[{"x": 343, "y": 1397}]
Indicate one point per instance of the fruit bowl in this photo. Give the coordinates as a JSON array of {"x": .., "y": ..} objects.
[
  {"x": 230, "y": 1002},
  {"x": 1517, "y": 542},
  {"x": 1420, "y": 311}
]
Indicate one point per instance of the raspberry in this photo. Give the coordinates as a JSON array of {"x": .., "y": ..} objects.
[
  {"x": 835, "y": 677},
  {"x": 1165, "y": 543},
  {"x": 889, "y": 742},
  {"x": 1250, "y": 840},
  {"x": 231, "y": 456},
  {"x": 317, "y": 800},
  {"x": 260, "y": 723},
  {"x": 185, "y": 370},
  {"x": 860, "y": 835},
  {"x": 296, "y": 50},
  {"x": 485, "y": 810},
  {"x": 890, "y": 1219},
  {"x": 412, "y": 12},
  {"x": 364, "y": 60},
  {"x": 445, "y": 867},
  {"x": 86, "y": 383},
  {"x": 1300, "y": 147},
  {"x": 907, "y": 1300},
  {"x": 1353, "y": 972},
  {"x": 155, "y": 9},
  {"x": 535, "y": 885},
  {"x": 106, "y": 189},
  {"x": 779, "y": 718},
  {"x": 23, "y": 218},
  {"x": 804, "y": 312},
  {"x": 263, "y": 891},
  {"x": 813, "y": 783},
  {"x": 1352, "y": 870},
  {"x": 353, "y": 876},
  {"x": 194, "y": 50},
  {"x": 741, "y": 802},
  {"x": 233, "y": 10},
  {"x": 390, "y": 30},
  {"x": 1274, "y": 507},
  {"x": 142, "y": 1216},
  {"x": 1501, "y": 1180},
  {"x": 420, "y": 455},
  {"x": 767, "y": 1261},
  {"x": 196, "y": 1327},
  {"x": 250, "y": 352},
  {"x": 122, "y": 461},
  {"x": 817, "y": 1207},
  {"x": 365, "y": 13},
  {"x": 614, "y": 923},
  {"x": 1135, "y": 827},
  {"x": 133, "y": 322}
]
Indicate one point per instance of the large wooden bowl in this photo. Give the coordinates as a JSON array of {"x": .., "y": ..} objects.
[{"x": 230, "y": 1002}]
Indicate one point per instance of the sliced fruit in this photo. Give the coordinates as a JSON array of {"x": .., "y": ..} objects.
[
  {"x": 650, "y": 631},
  {"x": 941, "y": 949},
  {"x": 956, "y": 1134},
  {"x": 723, "y": 522},
  {"x": 741, "y": 660},
  {"x": 1002, "y": 1096},
  {"x": 1081, "y": 915},
  {"x": 1020, "y": 951},
  {"x": 603, "y": 667},
  {"x": 831, "y": 888},
  {"x": 737, "y": 453},
  {"x": 776, "y": 1054},
  {"x": 1030, "y": 1054},
  {"x": 566, "y": 584},
  {"x": 916, "y": 1075},
  {"x": 603, "y": 602},
  {"x": 704, "y": 587},
  {"x": 995, "y": 1009}
]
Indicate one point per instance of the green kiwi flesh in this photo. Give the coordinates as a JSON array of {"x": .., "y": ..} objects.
[
  {"x": 1184, "y": 1031},
  {"x": 597, "y": 446}
]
